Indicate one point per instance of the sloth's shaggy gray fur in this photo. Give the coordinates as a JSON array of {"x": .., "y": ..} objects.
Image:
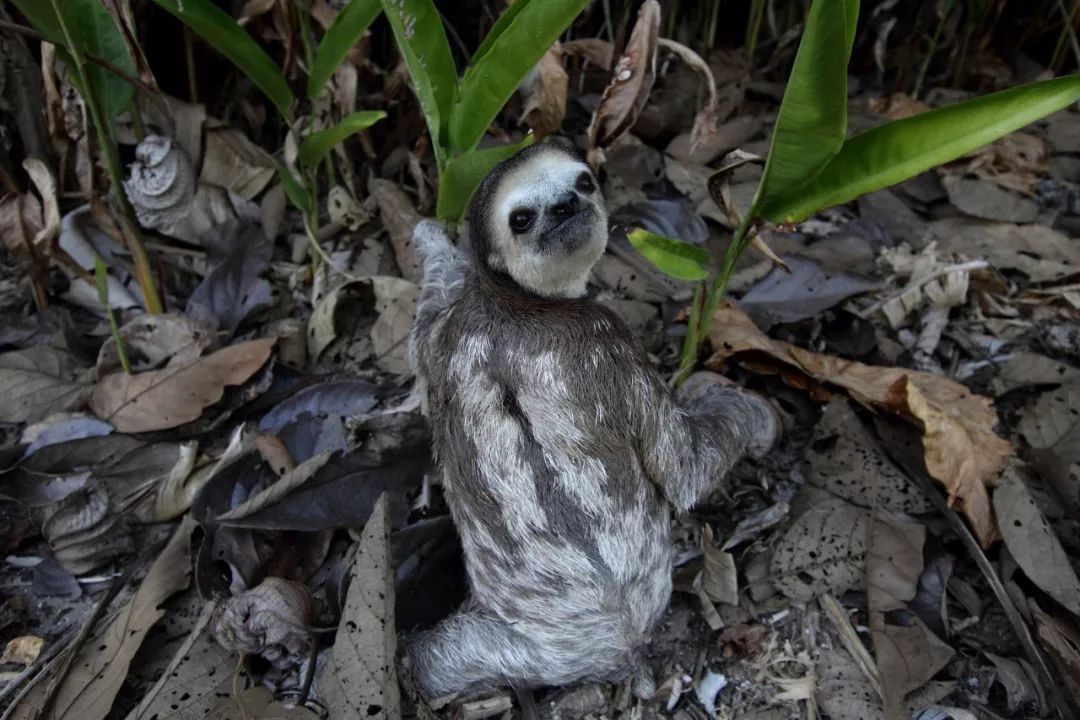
[{"x": 562, "y": 449}]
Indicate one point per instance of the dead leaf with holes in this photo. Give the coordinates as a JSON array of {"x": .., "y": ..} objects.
[
  {"x": 960, "y": 447},
  {"x": 179, "y": 392},
  {"x": 360, "y": 680},
  {"x": 1032, "y": 542},
  {"x": 823, "y": 551}
]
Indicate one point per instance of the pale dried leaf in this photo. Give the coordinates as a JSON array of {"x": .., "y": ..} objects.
[
  {"x": 361, "y": 679},
  {"x": 1053, "y": 422},
  {"x": 176, "y": 394},
  {"x": 399, "y": 217},
  {"x": 152, "y": 340},
  {"x": 23, "y": 650},
  {"x": 961, "y": 449},
  {"x": 1038, "y": 251},
  {"x": 45, "y": 184},
  {"x": 395, "y": 303},
  {"x": 843, "y": 691},
  {"x": 545, "y": 104},
  {"x": 823, "y": 551},
  {"x": 908, "y": 657},
  {"x": 1032, "y": 542},
  {"x": 1061, "y": 638},
  {"x": 161, "y": 186},
  {"x": 593, "y": 50},
  {"x": 233, "y": 162},
  {"x": 720, "y": 579},
  {"x": 37, "y": 382}
]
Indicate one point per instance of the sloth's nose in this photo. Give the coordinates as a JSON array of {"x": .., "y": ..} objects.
[{"x": 566, "y": 205}]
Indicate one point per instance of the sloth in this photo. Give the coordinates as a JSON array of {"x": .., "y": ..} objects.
[{"x": 562, "y": 450}]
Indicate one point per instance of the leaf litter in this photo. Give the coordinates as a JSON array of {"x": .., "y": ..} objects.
[{"x": 271, "y": 407}]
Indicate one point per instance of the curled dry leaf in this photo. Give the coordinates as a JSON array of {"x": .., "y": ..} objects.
[
  {"x": 593, "y": 50},
  {"x": 179, "y": 392},
  {"x": 823, "y": 551},
  {"x": 234, "y": 162},
  {"x": 84, "y": 529},
  {"x": 399, "y": 217},
  {"x": 631, "y": 81},
  {"x": 705, "y": 120},
  {"x": 960, "y": 447},
  {"x": 152, "y": 340},
  {"x": 545, "y": 103},
  {"x": 37, "y": 382},
  {"x": 1061, "y": 638},
  {"x": 23, "y": 650},
  {"x": 272, "y": 620},
  {"x": 1032, "y": 542},
  {"x": 239, "y": 254},
  {"x": 361, "y": 679},
  {"x": 161, "y": 185}
]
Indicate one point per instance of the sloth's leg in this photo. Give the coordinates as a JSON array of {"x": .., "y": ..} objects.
[{"x": 470, "y": 649}]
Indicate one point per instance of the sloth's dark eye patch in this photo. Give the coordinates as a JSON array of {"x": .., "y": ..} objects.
[
  {"x": 585, "y": 184},
  {"x": 521, "y": 220}
]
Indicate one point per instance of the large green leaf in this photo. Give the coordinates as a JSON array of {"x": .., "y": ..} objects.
[
  {"x": 421, "y": 39},
  {"x": 812, "y": 122},
  {"x": 295, "y": 191},
  {"x": 228, "y": 38},
  {"x": 315, "y": 146},
  {"x": 463, "y": 174},
  {"x": 676, "y": 258},
  {"x": 901, "y": 149},
  {"x": 342, "y": 34},
  {"x": 94, "y": 29},
  {"x": 517, "y": 45}
]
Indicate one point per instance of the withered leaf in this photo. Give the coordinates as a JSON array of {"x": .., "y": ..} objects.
[
  {"x": 843, "y": 691},
  {"x": 960, "y": 446},
  {"x": 1053, "y": 421},
  {"x": 545, "y": 105},
  {"x": 399, "y": 217},
  {"x": 1032, "y": 542},
  {"x": 233, "y": 289},
  {"x": 178, "y": 393},
  {"x": 823, "y": 551},
  {"x": 361, "y": 679},
  {"x": 152, "y": 340},
  {"x": 37, "y": 382},
  {"x": 908, "y": 657},
  {"x": 98, "y": 671},
  {"x": 631, "y": 81}
]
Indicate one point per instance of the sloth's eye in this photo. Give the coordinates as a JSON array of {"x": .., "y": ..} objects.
[
  {"x": 585, "y": 184},
  {"x": 521, "y": 220}
]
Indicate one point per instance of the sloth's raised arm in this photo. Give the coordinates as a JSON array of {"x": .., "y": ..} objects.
[
  {"x": 691, "y": 440},
  {"x": 442, "y": 276}
]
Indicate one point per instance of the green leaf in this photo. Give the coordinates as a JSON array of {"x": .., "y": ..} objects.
[
  {"x": 342, "y": 34},
  {"x": 228, "y": 38},
  {"x": 421, "y": 39},
  {"x": 502, "y": 63},
  {"x": 296, "y": 193},
  {"x": 812, "y": 122},
  {"x": 676, "y": 258},
  {"x": 896, "y": 151},
  {"x": 94, "y": 29},
  {"x": 498, "y": 29},
  {"x": 463, "y": 174},
  {"x": 315, "y": 146}
]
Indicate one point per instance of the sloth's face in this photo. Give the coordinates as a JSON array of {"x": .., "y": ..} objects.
[{"x": 548, "y": 225}]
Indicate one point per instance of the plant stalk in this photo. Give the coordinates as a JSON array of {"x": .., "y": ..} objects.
[
  {"x": 112, "y": 164},
  {"x": 921, "y": 77}
]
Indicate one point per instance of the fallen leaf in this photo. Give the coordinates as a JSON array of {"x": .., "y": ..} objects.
[
  {"x": 234, "y": 162},
  {"x": 1020, "y": 686},
  {"x": 843, "y": 691},
  {"x": 961, "y": 449},
  {"x": 271, "y": 620},
  {"x": 1032, "y": 542},
  {"x": 908, "y": 657},
  {"x": 593, "y": 50},
  {"x": 399, "y": 217},
  {"x": 731, "y": 135},
  {"x": 153, "y": 340},
  {"x": 256, "y": 702},
  {"x": 37, "y": 382},
  {"x": 1061, "y": 638},
  {"x": 1053, "y": 422},
  {"x": 844, "y": 458},
  {"x": 346, "y": 398},
  {"x": 986, "y": 200},
  {"x": 239, "y": 254},
  {"x": 545, "y": 102},
  {"x": 161, "y": 187},
  {"x": 176, "y": 394},
  {"x": 1026, "y": 369},
  {"x": 360, "y": 679},
  {"x": 60, "y": 428},
  {"x": 100, "y": 666},
  {"x": 804, "y": 291},
  {"x": 631, "y": 81},
  {"x": 823, "y": 551},
  {"x": 23, "y": 650},
  {"x": 1038, "y": 251},
  {"x": 719, "y": 579}
]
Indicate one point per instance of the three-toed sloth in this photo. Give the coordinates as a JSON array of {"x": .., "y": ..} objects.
[{"x": 562, "y": 449}]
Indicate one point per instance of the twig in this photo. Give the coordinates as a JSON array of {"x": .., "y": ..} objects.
[{"x": 96, "y": 59}]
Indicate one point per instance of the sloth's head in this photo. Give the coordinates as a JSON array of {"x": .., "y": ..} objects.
[{"x": 539, "y": 219}]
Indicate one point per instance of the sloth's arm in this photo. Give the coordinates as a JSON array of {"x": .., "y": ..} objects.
[
  {"x": 690, "y": 440},
  {"x": 442, "y": 276}
]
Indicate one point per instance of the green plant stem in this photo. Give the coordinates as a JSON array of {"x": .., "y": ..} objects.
[
  {"x": 713, "y": 23},
  {"x": 753, "y": 27},
  {"x": 702, "y": 312},
  {"x": 112, "y": 164},
  {"x": 1066, "y": 30},
  {"x": 921, "y": 77},
  {"x": 101, "y": 277}
]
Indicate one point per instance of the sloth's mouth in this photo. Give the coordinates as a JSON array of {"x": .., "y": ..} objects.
[{"x": 570, "y": 220}]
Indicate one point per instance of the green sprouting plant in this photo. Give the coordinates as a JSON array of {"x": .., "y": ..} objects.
[
  {"x": 230, "y": 39},
  {"x": 80, "y": 28},
  {"x": 812, "y": 165},
  {"x": 458, "y": 111},
  {"x": 101, "y": 280}
]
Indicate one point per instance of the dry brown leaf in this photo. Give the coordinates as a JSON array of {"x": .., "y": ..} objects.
[
  {"x": 631, "y": 81},
  {"x": 1032, "y": 542},
  {"x": 1053, "y": 422},
  {"x": 399, "y": 217},
  {"x": 843, "y": 690},
  {"x": 152, "y": 340},
  {"x": 545, "y": 106},
  {"x": 360, "y": 681},
  {"x": 1040, "y": 252},
  {"x": 23, "y": 650},
  {"x": 1061, "y": 638},
  {"x": 594, "y": 50},
  {"x": 961, "y": 449},
  {"x": 272, "y": 620},
  {"x": 720, "y": 579},
  {"x": 908, "y": 658},
  {"x": 823, "y": 551},
  {"x": 176, "y": 394},
  {"x": 37, "y": 382},
  {"x": 234, "y": 162},
  {"x": 99, "y": 669}
]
